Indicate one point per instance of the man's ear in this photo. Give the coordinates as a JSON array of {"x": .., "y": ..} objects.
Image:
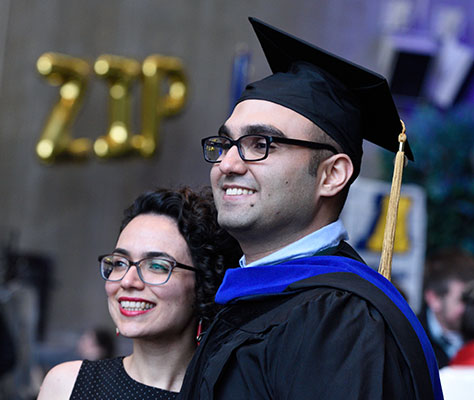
[
  {"x": 334, "y": 173},
  {"x": 432, "y": 300}
]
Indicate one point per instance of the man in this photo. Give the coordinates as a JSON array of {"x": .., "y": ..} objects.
[
  {"x": 457, "y": 379},
  {"x": 446, "y": 274},
  {"x": 304, "y": 318}
]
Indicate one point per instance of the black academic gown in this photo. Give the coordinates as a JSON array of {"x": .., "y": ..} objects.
[
  {"x": 325, "y": 337},
  {"x": 441, "y": 356}
]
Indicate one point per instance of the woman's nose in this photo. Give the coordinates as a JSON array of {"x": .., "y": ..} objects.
[{"x": 132, "y": 279}]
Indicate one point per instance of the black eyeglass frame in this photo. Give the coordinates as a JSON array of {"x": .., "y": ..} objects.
[
  {"x": 268, "y": 139},
  {"x": 136, "y": 264}
]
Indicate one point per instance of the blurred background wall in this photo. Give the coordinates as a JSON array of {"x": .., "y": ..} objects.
[{"x": 56, "y": 219}]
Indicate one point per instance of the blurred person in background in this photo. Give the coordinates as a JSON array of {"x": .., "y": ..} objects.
[
  {"x": 457, "y": 379},
  {"x": 161, "y": 279},
  {"x": 446, "y": 274},
  {"x": 96, "y": 344},
  {"x": 8, "y": 353}
]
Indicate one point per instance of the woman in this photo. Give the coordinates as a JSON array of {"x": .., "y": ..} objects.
[{"x": 161, "y": 279}]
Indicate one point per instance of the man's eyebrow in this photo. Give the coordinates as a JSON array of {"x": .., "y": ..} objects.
[
  {"x": 263, "y": 129},
  {"x": 256, "y": 129},
  {"x": 223, "y": 131}
]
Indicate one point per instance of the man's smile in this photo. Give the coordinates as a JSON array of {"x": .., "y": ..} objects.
[{"x": 237, "y": 191}]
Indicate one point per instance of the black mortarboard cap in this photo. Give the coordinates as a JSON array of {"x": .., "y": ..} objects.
[{"x": 347, "y": 101}]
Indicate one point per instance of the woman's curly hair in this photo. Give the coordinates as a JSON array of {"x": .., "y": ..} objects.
[{"x": 212, "y": 249}]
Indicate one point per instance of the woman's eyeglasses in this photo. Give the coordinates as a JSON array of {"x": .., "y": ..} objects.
[{"x": 151, "y": 270}]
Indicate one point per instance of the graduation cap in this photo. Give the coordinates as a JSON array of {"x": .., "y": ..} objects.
[{"x": 349, "y": 102}]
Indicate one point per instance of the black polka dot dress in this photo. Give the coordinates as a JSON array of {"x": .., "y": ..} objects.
[{"x": 107, "y": 379}]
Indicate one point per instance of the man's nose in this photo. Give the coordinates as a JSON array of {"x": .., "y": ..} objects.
[{"x": 231, "y": 162}]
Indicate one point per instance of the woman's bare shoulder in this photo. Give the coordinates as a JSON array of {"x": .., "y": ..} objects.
[{"x": 59, "y": 381}]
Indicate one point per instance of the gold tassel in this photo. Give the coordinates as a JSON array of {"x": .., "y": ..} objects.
[{"x": 385, "y": 266}]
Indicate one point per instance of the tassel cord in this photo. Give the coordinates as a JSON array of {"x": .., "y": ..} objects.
[{"x": 385, "y": 266}]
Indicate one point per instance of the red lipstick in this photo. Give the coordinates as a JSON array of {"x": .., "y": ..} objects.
[{"x": 133, "y": 306}]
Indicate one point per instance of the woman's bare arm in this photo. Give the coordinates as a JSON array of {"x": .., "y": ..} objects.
[{"x": 59, "y": 381}]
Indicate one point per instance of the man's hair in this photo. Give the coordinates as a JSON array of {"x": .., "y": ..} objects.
[
  {"x": 447, "y": 265},
  {"x": 212, "y": 249},
  {"x": 318, "y": 135}
]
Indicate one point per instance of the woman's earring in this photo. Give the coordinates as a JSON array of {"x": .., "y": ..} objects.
[
  {"x": 199, "y": 332},
  {"x": 117, "y": 332}
]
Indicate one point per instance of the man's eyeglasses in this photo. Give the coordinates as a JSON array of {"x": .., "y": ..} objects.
[
  {"x": 152, "y": 270},
  {"x": 252, "y": 147}
]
